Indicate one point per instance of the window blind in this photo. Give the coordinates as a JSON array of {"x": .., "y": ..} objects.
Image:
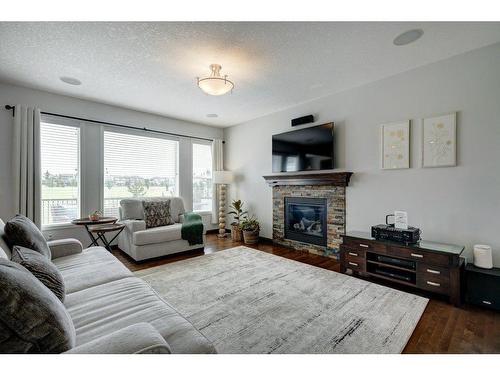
[
  {"x": 60, "y": 171},
  {"x": 138, "y": 166},
  {"x": 202, "y": 177}
]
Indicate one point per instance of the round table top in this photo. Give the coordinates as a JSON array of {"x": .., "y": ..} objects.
[
  {"x": 103, "y": 228},
  {"x": 101, "y": 220}
]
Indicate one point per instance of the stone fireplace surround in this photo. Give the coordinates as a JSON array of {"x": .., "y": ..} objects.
[
  {"x": 335, "y": 196},
  {"x": 329, "y": 185}
]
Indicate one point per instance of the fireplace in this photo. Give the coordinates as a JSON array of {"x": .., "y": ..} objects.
[
  {"x": 306, "y": 220},
  {"x": 309, "y": 210}
]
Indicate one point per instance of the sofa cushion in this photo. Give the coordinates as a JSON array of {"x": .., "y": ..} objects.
[
  {"x": 106, "y": 308},
  {"x": 146, "y": 340},
  {"x": 32, "y": 319},
  {"x": 131, "y": 209},
  {"x": 157, "y": 213},
  {"x": 22, "y": 231},
  {"x": 42, "y": 268},
  {"x": 157, "y": 235},
  {"x": 91, "y": 267},
  {"x": 4, "y": 248},
  {"x": 176, "y": 208}
]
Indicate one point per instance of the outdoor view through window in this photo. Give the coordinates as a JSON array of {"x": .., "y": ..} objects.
[
  {"x": 202, "y": 177},
  {"x": 60, "y": 169},
  {"x": 138, "y": 166}
]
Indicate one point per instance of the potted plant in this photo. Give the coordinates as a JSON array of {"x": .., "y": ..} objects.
[
  {"x": 237, "y": 210},
  {"x": 95, "y": 216},
  {"x": 250, "y": 227}
]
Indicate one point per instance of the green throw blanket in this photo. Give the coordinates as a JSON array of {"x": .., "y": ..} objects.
[{"x": 192, "y": 228}]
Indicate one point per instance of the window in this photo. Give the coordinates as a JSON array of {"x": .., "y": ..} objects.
[
  {"x": 138, "y": 166},
  {"x": 202, "y": 177},
  {"x": 60, "y": 169}
]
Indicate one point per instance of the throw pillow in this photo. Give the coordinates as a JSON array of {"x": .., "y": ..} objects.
[
  {"x": 157, "y": 213},
  {"x": 21, "y": 231},
  {"x": 32, "y": 319},
  {"x": 42, "y": 268}
]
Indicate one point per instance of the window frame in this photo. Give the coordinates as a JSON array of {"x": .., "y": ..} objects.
[
  {"x": 140, "y": 133},
  {"x": 205, "y": 143},
  {"x": 61, "y": 121}
]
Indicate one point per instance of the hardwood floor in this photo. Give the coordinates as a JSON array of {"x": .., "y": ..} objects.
[{"x": 443, "y": 328}]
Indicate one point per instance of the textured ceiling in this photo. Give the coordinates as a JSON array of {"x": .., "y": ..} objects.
[{"x": 152, "y": 66}]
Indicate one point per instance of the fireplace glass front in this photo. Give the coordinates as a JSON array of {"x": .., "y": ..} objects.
[{"x": 305, "y": 220}]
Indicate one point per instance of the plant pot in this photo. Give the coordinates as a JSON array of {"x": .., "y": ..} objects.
[
  {"x": 251, "y": 236},
  {"x": 236, "y": 233},
  {"x": 94, "y": 217}
]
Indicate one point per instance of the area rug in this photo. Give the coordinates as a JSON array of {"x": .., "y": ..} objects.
[{"x": 249, "y": 301}]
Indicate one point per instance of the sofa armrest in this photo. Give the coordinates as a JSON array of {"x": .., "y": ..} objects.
[
  {"x": 140, "y": 338},
  {"x": 132, "y": 226},
  {"x": 65, "y": 247}
]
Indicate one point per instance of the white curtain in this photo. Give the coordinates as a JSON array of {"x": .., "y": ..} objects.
[
  {"x": 26, "y": 159},
  {"x": 217, "y": 165}
]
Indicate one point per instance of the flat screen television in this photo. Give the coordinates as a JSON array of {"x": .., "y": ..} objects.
[{"x": 306, "y": 149}]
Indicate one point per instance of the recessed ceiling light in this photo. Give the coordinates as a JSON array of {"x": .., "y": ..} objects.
[
  {"x": 71, "y": 81},
  {"x": 408, "y": 37},
  {"x": 212, "y": 115}
]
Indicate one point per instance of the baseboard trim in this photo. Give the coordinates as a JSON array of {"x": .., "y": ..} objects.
[
  {"x": 212, "y": 231},
  {"x": 265, "y": 240}
]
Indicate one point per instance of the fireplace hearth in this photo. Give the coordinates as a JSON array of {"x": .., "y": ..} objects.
[{"x": 306, "y": 220}]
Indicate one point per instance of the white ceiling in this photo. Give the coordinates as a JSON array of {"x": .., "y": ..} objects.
[{"x": 152, "y": 66}]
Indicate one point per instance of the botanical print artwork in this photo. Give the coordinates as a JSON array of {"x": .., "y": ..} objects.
[
  {"x": 396, "y": 145},
  {"x": 439, "y": 141}
]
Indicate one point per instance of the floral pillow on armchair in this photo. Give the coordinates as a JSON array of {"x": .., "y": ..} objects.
[{"x": 157, "y": 213}]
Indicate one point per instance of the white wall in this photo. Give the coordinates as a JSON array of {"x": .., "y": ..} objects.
[
  {"x": 457, "y": 205},
  {"x": 49, "y": 102}
]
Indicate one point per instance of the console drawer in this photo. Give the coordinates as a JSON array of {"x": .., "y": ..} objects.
[
  {"x": 354, "y": 262},
  {"x": 364, "y": 244},
  {"x": 427, "y": 270},
  {"x": 419, "y": 255},
  {"x": 435, "y": 283},
  {"x": 354, "y": 253}
]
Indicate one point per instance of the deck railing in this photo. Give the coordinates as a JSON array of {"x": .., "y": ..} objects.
[{"x": 56, "y": 211}]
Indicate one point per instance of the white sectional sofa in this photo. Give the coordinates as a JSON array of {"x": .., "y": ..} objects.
[
  {"x": 141, "y": 243},
  {"x": 114, "y": 311}
]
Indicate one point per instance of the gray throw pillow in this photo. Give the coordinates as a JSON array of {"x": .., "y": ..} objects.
[
  {"x": 42, "y": 268},
  {"x": 21, "y": 231},
  {"x": 32, "y": 319},
  {"x": 157, "y": 213}
]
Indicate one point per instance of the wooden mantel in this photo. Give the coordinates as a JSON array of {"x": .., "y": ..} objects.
[{"x": 328, "y": 177}]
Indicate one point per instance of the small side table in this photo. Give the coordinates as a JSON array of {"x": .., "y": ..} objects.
[
  {"x": 483, "y": 286},
  {"x": 101, "y": 229},
  {"x": 86, "y": 222}
]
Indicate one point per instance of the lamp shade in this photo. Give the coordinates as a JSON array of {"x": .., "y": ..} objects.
[{"x": 222, "y": 177}]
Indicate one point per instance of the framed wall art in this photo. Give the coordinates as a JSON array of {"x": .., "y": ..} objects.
[
  {"x": 395, "y": 145},
  {"x": 439, "y": 141}
]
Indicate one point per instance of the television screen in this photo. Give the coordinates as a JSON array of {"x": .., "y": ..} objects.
[{"x": 304, "y": 150}]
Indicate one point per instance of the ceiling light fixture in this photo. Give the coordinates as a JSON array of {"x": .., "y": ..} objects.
[
  {"x": 212, "y": 115},
  {"x": 408, "y": 37},
  {"x": 215, "y": 84},
  {"x": 71, "y": 81}
]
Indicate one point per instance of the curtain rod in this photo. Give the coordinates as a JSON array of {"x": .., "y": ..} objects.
[{"x": 12, "y": 107}]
